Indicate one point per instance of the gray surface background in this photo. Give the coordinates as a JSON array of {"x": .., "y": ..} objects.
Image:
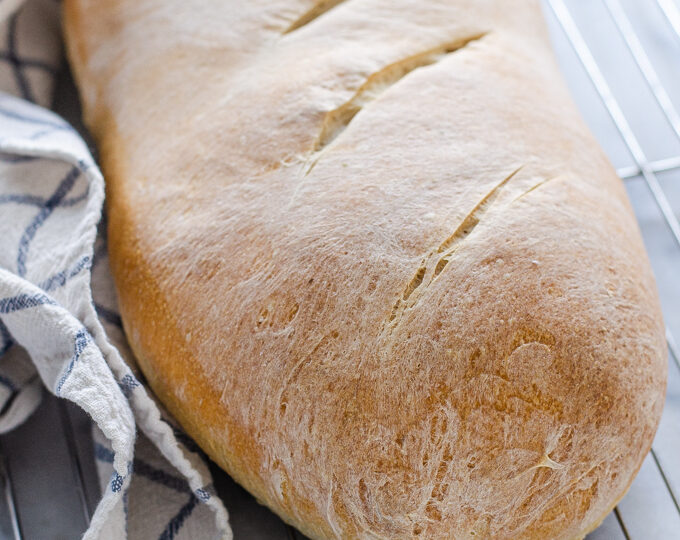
[{"x": 49, "y": 462}]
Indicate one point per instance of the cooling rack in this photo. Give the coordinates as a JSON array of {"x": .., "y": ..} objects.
[{"x": 621, "y": 60}]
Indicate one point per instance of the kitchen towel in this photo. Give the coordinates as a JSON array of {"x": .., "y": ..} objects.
[{"x": 59, "y": 327}]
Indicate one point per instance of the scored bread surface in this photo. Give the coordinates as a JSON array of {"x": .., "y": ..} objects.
[{"x": 370, "y": 257}]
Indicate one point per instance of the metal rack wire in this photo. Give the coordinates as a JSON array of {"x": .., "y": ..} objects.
[
  {"x": 651, "y": 510},
  {"x": 644, "y": 167}
]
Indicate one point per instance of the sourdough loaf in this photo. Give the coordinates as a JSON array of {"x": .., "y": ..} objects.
[{"x": 372, "y": 260}]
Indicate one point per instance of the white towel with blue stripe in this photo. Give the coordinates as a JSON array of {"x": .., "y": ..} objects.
[{"x": 58, "y": 322}]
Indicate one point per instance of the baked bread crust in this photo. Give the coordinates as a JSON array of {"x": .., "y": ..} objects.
[{"x": 372, "y": 260}]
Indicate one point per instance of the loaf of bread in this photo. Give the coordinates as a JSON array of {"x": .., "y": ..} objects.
[{"x": 370, "y": 257}]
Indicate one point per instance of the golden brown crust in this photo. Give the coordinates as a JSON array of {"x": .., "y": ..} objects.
[{"x": 373, "y": 261}]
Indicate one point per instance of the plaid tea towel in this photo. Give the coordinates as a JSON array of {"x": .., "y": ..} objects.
[{"x": 58, "y": 322}]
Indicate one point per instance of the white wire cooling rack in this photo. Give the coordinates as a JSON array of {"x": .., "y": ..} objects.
[{"x": 621, "y": 59}]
